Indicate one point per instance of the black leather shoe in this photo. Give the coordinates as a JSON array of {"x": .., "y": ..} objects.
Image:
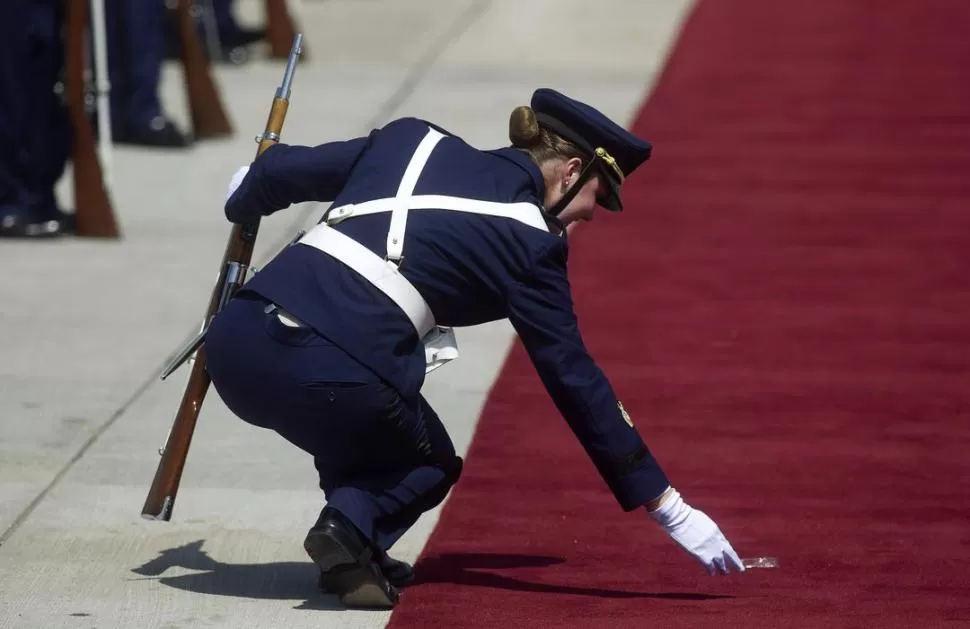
[
  {"x": 17, "y": 227},
  {"x": 234, "y": 44},
  {"x": 342, "y": 552},
  {"x": 400, "y": 574},
  {"x": 160, "y": 132},
  {"x": 241, "y": 36}
]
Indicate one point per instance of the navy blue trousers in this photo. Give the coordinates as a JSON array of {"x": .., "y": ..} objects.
[
  {"x": 35, "y": 133},
  {"x": 136, "y": 50},
  {"x": 382, "y": 460},
  {"x": 225, "y": 20}
]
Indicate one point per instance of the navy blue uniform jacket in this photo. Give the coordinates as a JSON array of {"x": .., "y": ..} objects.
[{"x": 469, "y": 268}]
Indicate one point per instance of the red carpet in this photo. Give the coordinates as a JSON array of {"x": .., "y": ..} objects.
[{"x": 784, "y": 308}]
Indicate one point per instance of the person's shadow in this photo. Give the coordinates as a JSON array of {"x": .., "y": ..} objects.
[
  {"x": 298, "y": 580},
  {"x": 479, "y": 570},
  {"x": 280, "y": 580}
]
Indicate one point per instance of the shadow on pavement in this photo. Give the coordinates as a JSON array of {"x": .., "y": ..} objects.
[{"x": 280, "y": 580}]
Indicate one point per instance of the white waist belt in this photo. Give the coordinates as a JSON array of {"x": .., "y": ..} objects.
[
  {"x": 440, "y": 344},
  {"x": 382, "y": 274}
]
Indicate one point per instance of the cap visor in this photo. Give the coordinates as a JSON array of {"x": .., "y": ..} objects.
[{"x": 611, "y": 199}]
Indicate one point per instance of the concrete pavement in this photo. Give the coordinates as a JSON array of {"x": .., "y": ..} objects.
[{"x": 85, "y": 325}]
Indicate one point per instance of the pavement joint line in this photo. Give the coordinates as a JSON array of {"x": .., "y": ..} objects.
[
  {"x": 393, "y": 102},
  {"x": 419, "y": 70},
  {"x": 29, "y": 509},
  {"x": 461, "y": 25}
]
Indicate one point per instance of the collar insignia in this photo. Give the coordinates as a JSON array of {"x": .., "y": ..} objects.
[{"x": 626, "y": 416}]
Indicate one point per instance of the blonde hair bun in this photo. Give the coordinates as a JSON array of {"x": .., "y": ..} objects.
[{"x": 523, "y": 127}]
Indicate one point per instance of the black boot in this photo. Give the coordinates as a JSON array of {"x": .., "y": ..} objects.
[{"x": 350, "y": 563}]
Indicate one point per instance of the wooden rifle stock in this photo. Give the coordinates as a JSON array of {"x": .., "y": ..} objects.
[
  {"x": 93, "y": 214},
  {"x": 280, "y": 29},
  {"x": 209, "y": 119},
  {"x": 235, "y": 265}
]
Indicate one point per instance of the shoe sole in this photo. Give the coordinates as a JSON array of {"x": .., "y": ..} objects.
[{"x": 357, "y": 581}]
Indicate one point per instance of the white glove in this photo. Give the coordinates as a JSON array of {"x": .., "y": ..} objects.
[
  {"x": 697, "y": 534},
  {"x": 237, "y": 179}
]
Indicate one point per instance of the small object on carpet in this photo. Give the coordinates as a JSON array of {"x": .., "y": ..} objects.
[{"x": 760, "y": 562}]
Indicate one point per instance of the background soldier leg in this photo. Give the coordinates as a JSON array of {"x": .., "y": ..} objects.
[
  {"x": 49, "y": 140},
  {"x": 34, "y": 134},
  {"x": 136, "y": 32}
]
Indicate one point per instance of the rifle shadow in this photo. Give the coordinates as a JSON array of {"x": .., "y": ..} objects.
[{"x": 298, "y": 580}]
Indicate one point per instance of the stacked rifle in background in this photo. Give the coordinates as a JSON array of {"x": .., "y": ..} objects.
[{"x": 104, "y": 66}]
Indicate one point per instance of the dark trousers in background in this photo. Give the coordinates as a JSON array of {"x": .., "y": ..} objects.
[
  {"x": 35, "y": 134},
  {"x": 136, "y": 31},
  {"x": 382, "y": 460},
  {"x": 224, "y": 18}
]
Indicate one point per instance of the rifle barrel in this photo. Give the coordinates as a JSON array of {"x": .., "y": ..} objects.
[
  {"x": 284, "y": 91},
  {"x": 161, "y": 495}
]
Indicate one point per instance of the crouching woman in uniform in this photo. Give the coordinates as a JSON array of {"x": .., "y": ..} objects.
[{"x": 330, "y": 343}]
